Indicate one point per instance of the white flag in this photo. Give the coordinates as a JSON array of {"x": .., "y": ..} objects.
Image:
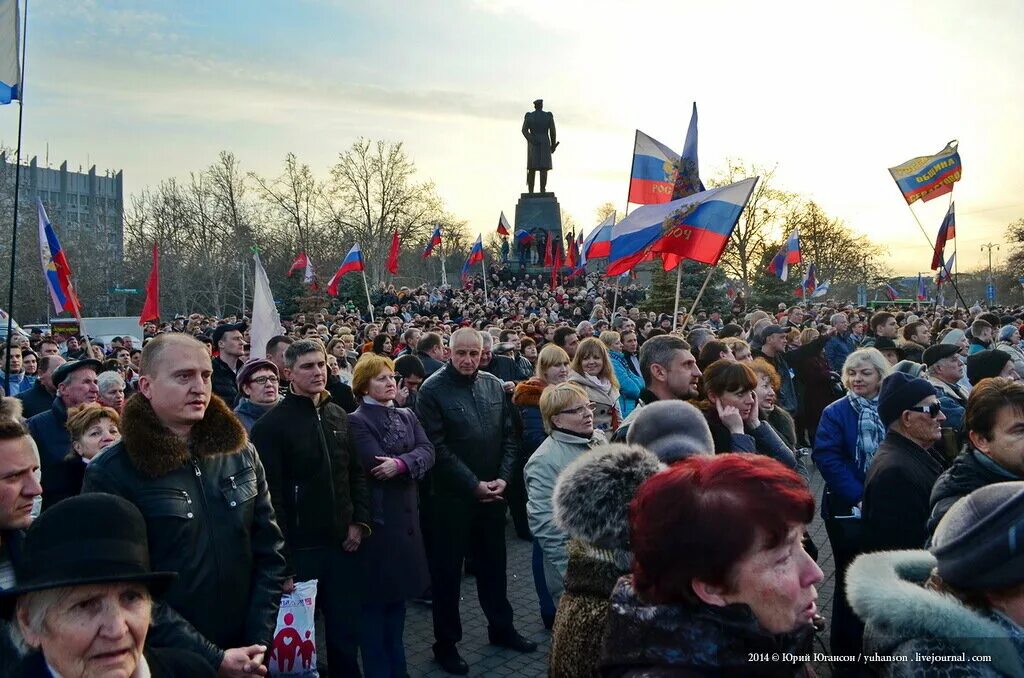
[
  {"x": 10, "y": 71},
  {"x": 266, "y": 322}
]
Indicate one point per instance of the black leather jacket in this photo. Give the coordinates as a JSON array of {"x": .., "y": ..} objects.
[
  {"x": 470, "y": 422},
  {"x": 209, "y": 518}
]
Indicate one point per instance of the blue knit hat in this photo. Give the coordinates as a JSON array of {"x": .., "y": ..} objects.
[
  {"x": 1006, "y": 331},
  {"x": 979, "y": 543},
  {"x": 900, "y": 392}
]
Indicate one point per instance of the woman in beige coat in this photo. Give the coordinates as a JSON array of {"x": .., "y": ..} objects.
[{"x": 592, "y": 371}]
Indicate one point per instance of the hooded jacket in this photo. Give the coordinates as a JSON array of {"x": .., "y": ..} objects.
[
  {"x": 526, "y": 398},
  {"x": 210, "y": 519},
  {"x": 903, "y": 618},
  {"x": 970, "y": 470}
]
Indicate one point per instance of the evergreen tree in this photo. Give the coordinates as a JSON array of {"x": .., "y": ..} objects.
[{"x": 662, "y": 295}]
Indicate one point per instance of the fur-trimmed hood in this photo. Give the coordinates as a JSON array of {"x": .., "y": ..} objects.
[
  {"x": 154, "y": 451},
  {"x": 10, "y": 408},
  {"x": 527, "y": 393},
  {"x": 592, "y": 494},
  {"x": 886, "y": 591}
]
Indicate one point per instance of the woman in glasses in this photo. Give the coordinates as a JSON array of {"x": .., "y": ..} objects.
[
  {"x": 569, "y": 421},
  {"x": 258, "y": 383}
]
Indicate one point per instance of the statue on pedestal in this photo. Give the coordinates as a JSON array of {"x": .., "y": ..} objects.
[{"x": 539, "y": 130}]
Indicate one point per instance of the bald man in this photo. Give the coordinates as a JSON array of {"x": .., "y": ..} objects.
[{"x": 186, "y": 462}]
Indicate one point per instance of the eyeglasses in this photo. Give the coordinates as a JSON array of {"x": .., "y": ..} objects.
[
  {"x": 931, "y": 410},
  {"x": 579, "y": 410},
  {"x": 263, "y": 380}
]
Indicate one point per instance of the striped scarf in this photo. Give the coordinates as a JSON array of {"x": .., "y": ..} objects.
[{"x": 869, "y": 429}]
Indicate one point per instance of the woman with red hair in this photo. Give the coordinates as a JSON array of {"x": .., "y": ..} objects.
[{"x": 721, "y": 584}]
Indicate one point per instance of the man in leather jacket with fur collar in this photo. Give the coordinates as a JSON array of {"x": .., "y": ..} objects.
[{"x": 184, "y": 460}]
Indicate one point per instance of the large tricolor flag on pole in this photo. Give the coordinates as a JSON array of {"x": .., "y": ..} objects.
[
  {"x": 928, "y": 176},
  {"x": 598, "y": 245},
  {"x": 10, "y": 70},
  {"x": 55, "y": 267},
  {"x": 787, "y": 256},
  {"x": 504, "y": 228},
  {"x": 700, "y": 226},
  {"x": 672, "y": 247},
  {"x": 435, "y": 240},
  {"x": 654, "y": 169},
  {"x": 353, "y": 263},
  {"x": 947, "y": 231},
  {"x": 476, "y": 255}
]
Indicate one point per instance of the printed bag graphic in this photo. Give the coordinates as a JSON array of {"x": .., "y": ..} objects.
[{"x": 293, "y": 652}]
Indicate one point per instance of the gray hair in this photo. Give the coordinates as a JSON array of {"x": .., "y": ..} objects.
[
  {"x": 109, "y": 379},
  {"x": 487, "y": 339},
  {"x": 836, "y": 317},
  {"x": 585, "y": 323},
  {"x": 868, "y": 356},
  {"x": 659, "y": 350}
]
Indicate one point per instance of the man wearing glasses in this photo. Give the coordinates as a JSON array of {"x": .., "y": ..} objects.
[{"x": 899, "y": 480}]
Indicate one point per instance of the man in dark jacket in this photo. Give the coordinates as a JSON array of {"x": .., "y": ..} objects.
[
  {"x": 995, "y": 434},
  {"x": 469, "y": 420},
  {"x": 320, "y": 495},
  {"x": 39, "y": 398},
  {"x": 230, "y": 345},
  {"x": 523, "y": 368},
  {"x": 76, "y": 385},
  {"x": 184, "y": 460},
  {"x": 501, "y": 366},
  {"x": 430, "y": 351},
  {"x": 904, "y": 469}
]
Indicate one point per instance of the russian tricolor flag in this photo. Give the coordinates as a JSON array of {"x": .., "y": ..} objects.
[
  {"x": 787, "y": 256},
  {"x": 523, "y": 237},
  {"x": 598, "y": 244},
  {"x": 947, "y": 231},
  {"x": 435, "y": 240},
  {"x": 56, "y": 269},
  {"x": 654, "y": 168},
  {"x": 353, "y": 262},
  {"x": 701, "y": 222},
  {"x": 476, "y": 255},
  {"x": 891, "y": 292}
]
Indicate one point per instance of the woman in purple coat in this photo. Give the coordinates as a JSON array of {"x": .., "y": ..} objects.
[{"x": 395, "y": 453}]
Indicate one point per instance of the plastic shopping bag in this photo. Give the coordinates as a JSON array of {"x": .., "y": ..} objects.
[{"x": 293, "y": 652}]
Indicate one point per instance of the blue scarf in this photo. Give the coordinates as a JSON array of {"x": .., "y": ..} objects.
[{"x": 869, "y": 429}]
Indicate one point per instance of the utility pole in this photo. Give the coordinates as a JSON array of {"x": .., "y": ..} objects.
[{"x": 990, "y": 289}]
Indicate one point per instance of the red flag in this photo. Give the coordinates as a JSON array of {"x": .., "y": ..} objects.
[
  {"x": 570, "y": 252},
  {"x": 151, "y": 309},
  {"x": 549, "y": 252},
  {"x": 299, "y": 263},
  {"x": 393, "y": 255},
  {"x": 556, "y": 263}
]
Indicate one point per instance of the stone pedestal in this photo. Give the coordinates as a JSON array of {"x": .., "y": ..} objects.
[{"x": 539, "y": 215}]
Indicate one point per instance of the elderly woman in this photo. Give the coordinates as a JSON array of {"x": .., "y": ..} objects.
[
  {"x": 259, "y": 387},
  {"x": 569, "y": 422},
  {"x": 84, "y": 596},
  {"x": 1009, "y": 342},
  {"x": 768, "y": 384},
  {"x": 592, "y": 370},
  {"x": 92, "y": 428},
  {"x": 849, "y": 432},
  {"x": 395, "y": 453},
  {"x": 719, "y": 573},
  {"x": 111, "y": 386},
  {"x": 732, "y": 413}
]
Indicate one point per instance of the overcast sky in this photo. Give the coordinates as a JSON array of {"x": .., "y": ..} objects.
[{"x": 833, "y": 93}]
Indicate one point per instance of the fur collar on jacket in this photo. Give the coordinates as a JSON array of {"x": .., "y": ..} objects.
[
  {"x": 527, "y": 393},
  {"x": 155, "y": 451},
  {"x": 885, "y": 590},
  {"x": 951, "y": 389}
]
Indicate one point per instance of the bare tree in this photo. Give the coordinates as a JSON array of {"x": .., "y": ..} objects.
[{"x": 604, "y": 210}]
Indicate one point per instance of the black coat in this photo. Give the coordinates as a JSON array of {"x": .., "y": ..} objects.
[
  {"x": 225, "y": 382},
  {"x": 63, "y": 480},
  {"x": 35, "y": 400},
  {"x": 162, "y": 662},
  {"x": 430, "y": 365},
  {"x": 896, "y": 492},
  {"x": 49, "y": 431},
  {"x": 341, "y": 394},
  {"x": 316, "y": 483},
  {"x": 470, "y": 422},
  {"x": 209, "y": 518},
  {"x": 969, "y": 471}
]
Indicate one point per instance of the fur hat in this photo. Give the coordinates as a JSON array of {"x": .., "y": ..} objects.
[
  {"x": 593, "y": 493},
  {"x": 672, "y": 430},
  {"x": 976, "y": 542}
]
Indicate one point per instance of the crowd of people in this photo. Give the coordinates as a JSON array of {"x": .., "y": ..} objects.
[{"x": 158, "y": 500}]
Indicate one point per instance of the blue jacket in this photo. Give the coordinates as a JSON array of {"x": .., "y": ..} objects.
[
  {"x": 630, "y": 384},
  {"x": 838, "y": 348},
  {"x": 835, "y": 454},
  {"x": 49, "y": 431},
  {"x": 248, "y": 412}
]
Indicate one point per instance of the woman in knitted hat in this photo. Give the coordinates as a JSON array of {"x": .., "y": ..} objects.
[
  {"x": 258, "y": 385},
  {"x": 959, "y": 601},
  {"x": 1009, "y": 342}
]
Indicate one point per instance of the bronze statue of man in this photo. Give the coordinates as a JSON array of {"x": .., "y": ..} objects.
[{"x": 539, "y": 130}]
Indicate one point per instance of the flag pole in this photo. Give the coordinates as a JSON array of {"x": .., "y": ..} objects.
[
  {"x": 701, "y": 292},
  {"x": 366, "y": 288},
  {"x": 483, "y": 263},
  {"x": 679, "y": 282},
  {"x": 955, "y": 265},
  {"x": 931, "y": 245},
  {"x": 17, "y": 191},
  {"x": 615, "y": 299}
]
